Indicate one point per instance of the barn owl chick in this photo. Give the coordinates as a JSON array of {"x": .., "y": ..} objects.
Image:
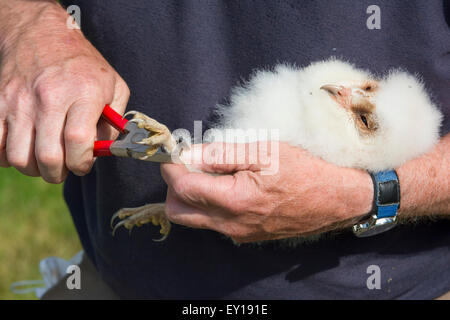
[{"x": 337, "y": 112}]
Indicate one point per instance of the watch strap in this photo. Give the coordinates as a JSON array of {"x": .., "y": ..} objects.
[{"x": 386, "y": 193}]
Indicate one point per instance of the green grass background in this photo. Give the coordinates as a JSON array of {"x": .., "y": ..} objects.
[{"x": 34, "y": 224}]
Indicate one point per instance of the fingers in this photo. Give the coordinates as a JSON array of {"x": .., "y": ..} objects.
[
  {"x": 79, "y": 134},
  {"x": 49, "y": 146},
  {"x": 180, "y": 213},
  {"x": 204, "y": 213},
  {"x": 82, "y": 122},
  {"x": 65, "y": 131},
  {"x": 17, "y": 134},
  {"x": 217, "y": 190},
  {"x": 20, "y": 135},
  {"x": 20, "y": 146},
  {"x": 202, "y": 200},
  {"x": 216, "y": 202},
  {"x": 223, "y": 158},
  {"x": 199, "y": 189}
]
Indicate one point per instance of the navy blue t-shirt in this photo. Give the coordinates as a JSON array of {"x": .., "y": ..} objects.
[{"x": 180, "y": 58}]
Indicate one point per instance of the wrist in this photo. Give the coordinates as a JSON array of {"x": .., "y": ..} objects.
[
  {"x": 361, "y": 199},
  {"x": 355, "y": 197}
]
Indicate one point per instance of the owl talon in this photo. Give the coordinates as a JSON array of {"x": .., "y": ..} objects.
[
  {"x": 159, "y": 134},
  {"x": 140, "y": 123},
  {"x": 121, "y": 223},
  {"x": 131, "y": 112},
  {"x": 131, "y": 217}
]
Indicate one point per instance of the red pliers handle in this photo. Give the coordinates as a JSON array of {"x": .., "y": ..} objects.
[
  {"x": 102, "y": 147},
  {"x": 129, "y": 145}
]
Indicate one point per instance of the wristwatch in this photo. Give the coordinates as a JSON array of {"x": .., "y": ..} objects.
[{"x": 386, "y": 202}]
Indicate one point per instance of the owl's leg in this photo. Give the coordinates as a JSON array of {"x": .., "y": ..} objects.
[
  {"x": 159, "y": 134},
  {"x": 153, "y": 212}
]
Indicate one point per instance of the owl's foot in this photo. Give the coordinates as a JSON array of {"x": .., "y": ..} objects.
[
  {"x": 154, "y": 213},
  {"x": 159, "y": 134}
]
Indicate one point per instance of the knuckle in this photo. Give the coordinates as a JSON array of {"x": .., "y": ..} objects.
[
  {"x": 122, "y": 86},
  {"x": 124, "y": 90},
  {"x": 17, "y": 160},
  {"x": 54, "y": 180},
  {"x": 179, "y": 187},
  {"x": 48, "y": 94},
  {"x": 77, "y": 135},
  {"x": 79, "y": 168},
  {"x": 49, "y": 158},
  {"x": 52, "y": 93},
  {"x": 127, "y": 91},
  {"x": 123, "y": 96},
  {"x": 172, "y": 217},
  {"x": 169, "y": 209},
  {"x": 60, "y": 179},
  {"x": 9, "y": 88}
]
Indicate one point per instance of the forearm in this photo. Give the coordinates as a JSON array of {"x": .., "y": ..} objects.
[
  {"x": 424, "y": 188},
  {"x": 425, "y": 183},
  {"x": 17, "y": 15}
]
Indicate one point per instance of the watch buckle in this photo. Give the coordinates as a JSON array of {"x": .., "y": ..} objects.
[{"x": 374, "y": 225}]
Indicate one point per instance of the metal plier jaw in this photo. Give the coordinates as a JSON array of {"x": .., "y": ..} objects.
[{"x": 128, "y": 145}]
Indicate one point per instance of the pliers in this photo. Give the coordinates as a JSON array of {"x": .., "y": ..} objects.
[{"x": 127, "y": 145}]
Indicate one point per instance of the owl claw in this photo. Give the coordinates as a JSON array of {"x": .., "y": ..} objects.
[
  {"x": 131, "y": 217},
  {"x": 131, "y": 112},
  {"x": 121, "y": 223},
  {"x": 159, "y": 134}
]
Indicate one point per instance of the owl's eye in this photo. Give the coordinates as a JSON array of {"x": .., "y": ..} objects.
[
  {"x": 368, "y": 88},
  {"x": 364, "y": 120}
]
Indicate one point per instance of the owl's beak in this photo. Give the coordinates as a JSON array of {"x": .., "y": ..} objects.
[
  {"x": 342, "y": 95},
  {"x": 336, "y": 90}
]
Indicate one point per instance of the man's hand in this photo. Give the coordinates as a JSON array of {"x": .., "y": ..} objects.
[
  {"x": 306, "y": 196},
  {"x": 53, "y": 87}
]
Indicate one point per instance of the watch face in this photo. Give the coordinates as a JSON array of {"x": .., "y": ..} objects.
[{"x": 373, "y": 226}]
